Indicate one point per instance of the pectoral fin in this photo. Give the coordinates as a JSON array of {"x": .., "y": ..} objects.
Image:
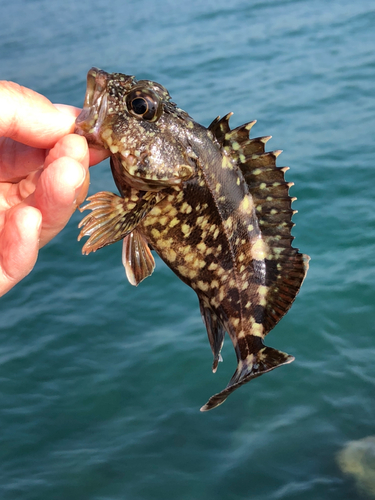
[
  {"x": 137, "y": 258},
  {"x": 113, "y": 217}
]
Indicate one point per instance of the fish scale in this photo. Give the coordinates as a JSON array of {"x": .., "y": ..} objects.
[{"x": 210, "y": 201}]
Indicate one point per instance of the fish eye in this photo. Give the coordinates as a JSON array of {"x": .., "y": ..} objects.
[
  {"x": 142, "y": 104},
  {"x": 139, "y": 105}
]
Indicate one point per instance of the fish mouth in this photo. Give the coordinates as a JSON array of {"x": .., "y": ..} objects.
[{"x": 95, "y": 106}]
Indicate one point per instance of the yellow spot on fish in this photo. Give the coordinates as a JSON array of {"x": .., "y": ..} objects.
[
  {"x": 186, "y": 229},
  {"x": 150, "y": 221},
  {"x": 229, "y": 223},
  {"x": 171, "y": 255},
  {"x": 202, "y": 246},
  {"x": 226, "y": 163},
  {"x": 203, "y": 286},
  {"x": 212, "y": 266},
  {"x": 215, "y": 302},
  {"x": 198, "y": 263},
  {"x": 246, "y": 204},
  {"x": 165, "y": 244},
  {"x": 257, "y": 330},
  {"x": 156, "y": 211},
  {"x": 259, "y": 250},
  {"x": 155, "y": 233},
  {"x": 174, "y": 222},
  {"x": 204, "y": 223},
  {"x": 113, "y": 148},
  {"x": 216, "y": 234},
  {"x": 192, "y": 274},
  {"x": 184, "y": 271},
  {"x": 186, "y": 208},
  {"x": 189, "y": 257}
]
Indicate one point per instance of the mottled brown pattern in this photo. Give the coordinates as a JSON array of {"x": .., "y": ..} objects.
[{"x": 211, "y": 202}]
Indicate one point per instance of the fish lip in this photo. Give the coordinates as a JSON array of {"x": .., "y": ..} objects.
[{"x": 95, "y": 106}]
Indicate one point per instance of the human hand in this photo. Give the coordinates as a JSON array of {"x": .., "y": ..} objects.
[{"x": 43, "y": 176}]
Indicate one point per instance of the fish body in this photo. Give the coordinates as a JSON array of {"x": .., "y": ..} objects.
[{"x": 210, "y": 201}]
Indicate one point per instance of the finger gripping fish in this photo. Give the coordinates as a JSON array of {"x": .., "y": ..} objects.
[{"x": 210, "y": 201}]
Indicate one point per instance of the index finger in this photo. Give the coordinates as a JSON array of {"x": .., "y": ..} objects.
[{"x": 30, "y": 118}]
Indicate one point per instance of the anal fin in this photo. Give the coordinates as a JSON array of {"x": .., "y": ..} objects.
[
  {"x": 137, "y": 258},
  {"x": 215, "y": 331}
]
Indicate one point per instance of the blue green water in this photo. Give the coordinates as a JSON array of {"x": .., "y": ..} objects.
[{"x": 100, "y": 382}]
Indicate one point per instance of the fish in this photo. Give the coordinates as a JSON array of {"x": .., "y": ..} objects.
[{"x": 211, "y": 202}]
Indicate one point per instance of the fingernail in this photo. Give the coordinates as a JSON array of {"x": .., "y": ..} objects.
[{"x": 82, "y": 188}]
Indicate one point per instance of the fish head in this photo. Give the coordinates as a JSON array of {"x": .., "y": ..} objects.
[{"x": 147, "y": 134}]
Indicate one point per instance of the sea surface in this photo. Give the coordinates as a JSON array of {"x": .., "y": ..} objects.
[{"x": 100, "y": 382}]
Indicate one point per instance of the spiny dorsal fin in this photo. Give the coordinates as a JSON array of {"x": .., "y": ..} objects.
[
  {"x": 220, "y": 127},
  {"x": 285, "y": 266}
]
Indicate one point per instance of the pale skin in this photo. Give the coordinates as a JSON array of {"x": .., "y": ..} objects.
[{"x": 44, "y": 176}]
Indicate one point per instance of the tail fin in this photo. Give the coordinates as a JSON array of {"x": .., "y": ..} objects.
[{"x": 265, "y": 360}]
